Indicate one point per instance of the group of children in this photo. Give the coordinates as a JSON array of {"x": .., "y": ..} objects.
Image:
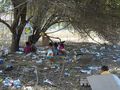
[{"x": 55, "y": 49}]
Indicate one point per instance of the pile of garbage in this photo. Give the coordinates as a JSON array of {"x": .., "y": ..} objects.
[
  {"x": 9, "y": 82},
  {"x": 19, "y": 70}
]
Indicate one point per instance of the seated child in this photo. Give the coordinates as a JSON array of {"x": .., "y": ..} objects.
[
  {"x": 27, "y": 49},
  {"x": 62, "y": 50}
]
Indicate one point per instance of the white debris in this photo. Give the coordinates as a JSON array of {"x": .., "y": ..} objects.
[
  {"x": 94, "y": 68},
  {"x": 28, "y": 88},
  {"x": 19, "y": 52},
  {"x": 85, "y": 71},
  {"x": 39, "y": 62},
  {"x": 48, "y": 82}
]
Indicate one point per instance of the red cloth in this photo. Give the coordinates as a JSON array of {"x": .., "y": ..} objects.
[{"x": 27, "y": 49}]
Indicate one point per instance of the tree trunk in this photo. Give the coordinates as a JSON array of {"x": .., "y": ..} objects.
[
  {"x": 34, "y": 38},
  {"x": 15, "y": 43}
]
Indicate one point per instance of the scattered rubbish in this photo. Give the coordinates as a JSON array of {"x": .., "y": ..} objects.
[
  {"x": 66, "y": 74},
  {"x": 114, "y": 46},
  {"x": 53, "y": 67},
  {"x": 1, "y": 71},
  {"x": 43, "y": 52},
  {"x": 77, "y": 68},
  {"x": 69, "y": 83},
  {"x": 85, "y": 71},
  {"x": 9, "y": 82},
  {"x": 1, "y": 61},
  {"x": 12, "y": 61},
  {"x": 94, "y": 68},
  {"x": 21, "y": 49},
  {"x": 118, "y": 59},
  {"x": 5, "y": 51},
  {"x": 17, "y": 83},
  {"x": 23, "y": 60},
  {"x": 30, "y": 83},
  {"x": 84, "y": 82},
  {"x": 19, "y": 52},
  {"x": 28, "y": 88},
  {"x": 26, "y": 73},
  {"x": 39, "y": 62},
  {"x": 115, "y": 61},
  {"x": 93, "y": 47},
  {"x": 46, "y": 68},
  {"x": 34, "y": 57},
  {"x": 102, "y": 48},
  {"x": 47, "y": 81},
  {"x": 26, "y": 70},
  {"x": 9, "y": 67},
  {"x": 84, "y": 50}
]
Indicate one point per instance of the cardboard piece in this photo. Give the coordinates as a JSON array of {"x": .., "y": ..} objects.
[{"x": 104, "y": 82}]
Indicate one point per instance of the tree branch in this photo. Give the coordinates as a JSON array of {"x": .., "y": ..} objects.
[
  {"x": 4, "y": 22},
  {"x": 29, "y": 18},
  {"x": 59, "y": 29},
  {"x": 91, "y": 36}
]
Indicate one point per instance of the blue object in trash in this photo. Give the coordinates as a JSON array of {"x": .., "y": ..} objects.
[
  {"x": 1, "y": 61},
  {"x": 17, "y": 83}
]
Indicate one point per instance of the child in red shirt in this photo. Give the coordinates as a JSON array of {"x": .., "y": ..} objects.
[{"x": 28, "y": 48}]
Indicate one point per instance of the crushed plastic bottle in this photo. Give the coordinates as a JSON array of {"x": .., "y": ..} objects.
[
  {"x": 8, "y": 82},
  {"x": 17, "y": 83}
]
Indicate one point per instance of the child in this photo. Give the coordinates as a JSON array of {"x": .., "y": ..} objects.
[
  {"x": 62, "y": 50},
  {"x": 27, "y": 49},
  {"x": 55, "y": 49},
  {"x": 50, "y": 52}
]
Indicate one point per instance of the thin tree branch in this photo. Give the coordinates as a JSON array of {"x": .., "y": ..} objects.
[
  {"x": 59, "y": 29},
  {"x": 4, "y": 22},
  {"x": 91, "y": 37}
]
